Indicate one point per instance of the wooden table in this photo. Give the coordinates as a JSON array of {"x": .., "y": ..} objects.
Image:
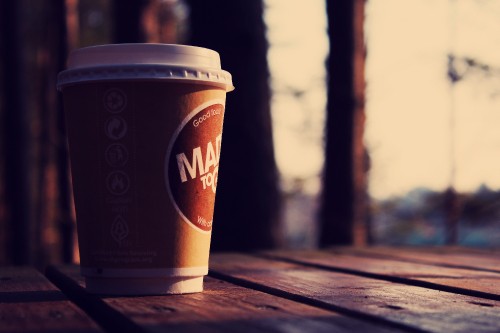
[{"x": 338, "y": 290}]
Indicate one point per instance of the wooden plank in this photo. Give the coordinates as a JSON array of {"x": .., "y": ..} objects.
[
  {"x": 465, "y": 281},
  {"x": 455, "y": 249},
  {"x": 416, "y": 307},
  {"x": 30, "y": 303},
  {"x": 458, "y": 258},
  {"x": 221, "y": 307}
]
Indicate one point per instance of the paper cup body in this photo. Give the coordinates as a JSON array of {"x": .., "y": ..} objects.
[{"x": 145, "y": 129}]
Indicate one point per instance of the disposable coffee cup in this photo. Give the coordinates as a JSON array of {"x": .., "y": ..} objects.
[{"x": 145, "y": 127}]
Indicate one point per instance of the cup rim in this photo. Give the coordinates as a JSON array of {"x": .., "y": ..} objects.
[{"x": 145, "y": 61}]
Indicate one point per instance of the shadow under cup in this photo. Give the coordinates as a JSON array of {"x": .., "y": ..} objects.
[{"x": 145, "y": 129}]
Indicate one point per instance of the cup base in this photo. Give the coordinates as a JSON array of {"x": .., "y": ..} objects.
[{"x": 144, "y": 286}]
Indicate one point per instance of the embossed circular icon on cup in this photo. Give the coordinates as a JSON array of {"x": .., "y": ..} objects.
[
  {"x": 115, "y": 100},
  {"x": 116, "y": 155},
  {"x": 119, "y": 229},
  {"x": 118, "y": 182},
  {"x": 116, "y": 128}
]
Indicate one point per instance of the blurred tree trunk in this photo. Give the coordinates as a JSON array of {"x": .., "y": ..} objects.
[
  {"x": 127, "y": 17},
  {"x": 162, "y": 22},
  {"x": 54, "y": 222},
  {"x": 3, "y": 207},
  {"x": 344, "y": 200},
  {"x": 15, "y": 131},
  {"x": 151, "y": 21},
  {"x": 453, "y": 210},
  {"x": 58, "y": 39},
  {"x": 68, "y": 214},
  {"x": 36, "y": 169},
  {"x": 247, "y": 209},
  {"x": 72, "y": 24}
]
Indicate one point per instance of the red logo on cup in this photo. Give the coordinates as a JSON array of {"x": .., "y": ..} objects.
[{"x": 192, "y": 165}]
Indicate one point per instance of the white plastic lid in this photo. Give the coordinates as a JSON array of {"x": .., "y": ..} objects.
[{"x": 145, "y": 62}]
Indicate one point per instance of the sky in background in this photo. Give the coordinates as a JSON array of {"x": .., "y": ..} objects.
[
  {"x": 420, "y": 127},
  {"x": 296, "y": 31},
  {"x": 420, "y": 130}
]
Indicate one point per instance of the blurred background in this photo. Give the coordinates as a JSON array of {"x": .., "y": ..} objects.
[{"x": 359, "y": 122}]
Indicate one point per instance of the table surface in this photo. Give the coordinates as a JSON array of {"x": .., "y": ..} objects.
[{"x": 377, "y": 289}]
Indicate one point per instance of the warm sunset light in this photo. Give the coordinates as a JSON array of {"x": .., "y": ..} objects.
[{"x": 410, "y": 101}]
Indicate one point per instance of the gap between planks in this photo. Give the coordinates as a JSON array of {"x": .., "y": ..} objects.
[
  {"x": 312, "y": 302},
  {"x": 410, "y": 257},
  {"x": 384, "y": 277},
  {"x": 110, "y": 320}
]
